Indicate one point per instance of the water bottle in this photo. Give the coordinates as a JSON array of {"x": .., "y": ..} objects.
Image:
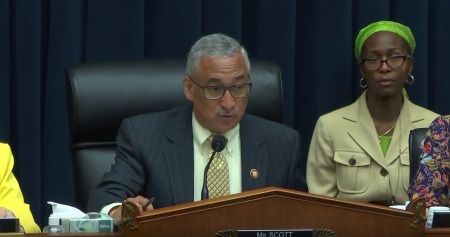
[{"x": 53, "y": 225}]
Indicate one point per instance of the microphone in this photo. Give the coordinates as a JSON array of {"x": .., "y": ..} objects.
[{"x": 218, "y": 144}]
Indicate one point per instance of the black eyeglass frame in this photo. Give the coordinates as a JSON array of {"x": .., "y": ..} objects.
[
  {"x": 363, "y": 61},
  {"x": 225, "y": 89}
]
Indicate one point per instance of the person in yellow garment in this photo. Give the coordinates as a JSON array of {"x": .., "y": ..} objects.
[{"x": 12, "y": 203}]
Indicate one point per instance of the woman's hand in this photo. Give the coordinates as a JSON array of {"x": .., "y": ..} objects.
[{"x": 6, "y": 213}]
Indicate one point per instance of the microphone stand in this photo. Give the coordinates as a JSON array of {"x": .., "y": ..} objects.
[
  {"x": 205, "y": 193},
  {"x": 218, "y": 144}
]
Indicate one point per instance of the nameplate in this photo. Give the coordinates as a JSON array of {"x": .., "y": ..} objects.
[
  {"x": 9, "y": 225},
  {"x": 276, "y": 233}
]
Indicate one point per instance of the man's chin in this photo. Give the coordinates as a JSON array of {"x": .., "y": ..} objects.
[{"x": 225, "y": 128}]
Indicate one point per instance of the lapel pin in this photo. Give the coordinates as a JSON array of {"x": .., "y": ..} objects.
[{"x": 254, "y": 173}]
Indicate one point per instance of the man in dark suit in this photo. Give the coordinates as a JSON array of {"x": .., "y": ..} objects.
[{"x": 163, "y": 155}]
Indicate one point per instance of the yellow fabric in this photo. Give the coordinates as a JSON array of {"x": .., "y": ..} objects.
[
  {"x": 390, "y": 26},
  {"x": 10, "y": 194}
]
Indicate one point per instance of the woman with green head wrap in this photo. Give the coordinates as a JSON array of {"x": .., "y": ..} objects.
[{"x": 360, "y": 151}]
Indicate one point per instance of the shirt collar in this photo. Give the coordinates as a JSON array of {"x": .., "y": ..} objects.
[{"x": 201, "y": 134}]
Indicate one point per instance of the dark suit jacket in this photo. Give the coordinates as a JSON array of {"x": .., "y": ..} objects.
[{"x": 155, "y": 153}]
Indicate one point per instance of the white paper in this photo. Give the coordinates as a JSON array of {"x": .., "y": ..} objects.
[{"x": 66, "y": 212}]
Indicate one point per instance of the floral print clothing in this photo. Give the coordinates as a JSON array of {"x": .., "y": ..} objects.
[{"x": 432, "y": 180}]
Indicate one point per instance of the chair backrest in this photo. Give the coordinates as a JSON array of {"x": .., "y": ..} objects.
[
  {"x": 415, "y": 139},
  {"x": 101, "y": 95}
]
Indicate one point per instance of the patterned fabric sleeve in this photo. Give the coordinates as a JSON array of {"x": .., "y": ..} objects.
[{"x": 432, "y": 179}]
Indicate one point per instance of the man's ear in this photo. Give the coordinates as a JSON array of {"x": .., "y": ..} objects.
[{"x": 187, "y": 87}]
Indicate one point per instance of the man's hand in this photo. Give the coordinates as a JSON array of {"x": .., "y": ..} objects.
[{"x": 139, "y": 201}]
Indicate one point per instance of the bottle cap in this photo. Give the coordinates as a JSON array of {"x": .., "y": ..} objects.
[{"x": 53, "y": 220}]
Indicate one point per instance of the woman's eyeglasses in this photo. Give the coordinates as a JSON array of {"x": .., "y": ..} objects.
[{"x": 393, "y": 62}]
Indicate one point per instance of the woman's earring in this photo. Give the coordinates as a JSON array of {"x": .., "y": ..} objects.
[
  {"x": 363, "y": 83},
  {"x": 410, "y": 79}
]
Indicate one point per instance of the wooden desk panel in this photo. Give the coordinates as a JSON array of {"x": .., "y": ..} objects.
[
  {"x": 437, "y": 232},
  {"x": 275, "y": 208},
  {"x": 115, "y": 234}
]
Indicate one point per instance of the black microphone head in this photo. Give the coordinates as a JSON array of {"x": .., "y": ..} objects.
[{"x": 219, "y": 142}]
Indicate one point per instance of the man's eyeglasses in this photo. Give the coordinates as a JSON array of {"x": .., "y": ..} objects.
[
  {"x": 217, "y": 92},
  {"x": 393, "y": 62}
]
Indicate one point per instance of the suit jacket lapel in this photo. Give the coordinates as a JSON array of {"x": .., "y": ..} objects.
[
  {"x": 364, "y": 128},
  {"x": 253, "y": 155},
  {"x": 363, "y": 132},
  {"x": 404, "y": 125},
  {"x": 179, "y": 156}
]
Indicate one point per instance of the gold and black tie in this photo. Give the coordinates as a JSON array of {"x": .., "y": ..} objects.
[{"x": 218, "y": 180}]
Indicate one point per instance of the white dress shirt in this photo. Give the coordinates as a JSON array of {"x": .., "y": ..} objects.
[{"x": 232, "y": 153}]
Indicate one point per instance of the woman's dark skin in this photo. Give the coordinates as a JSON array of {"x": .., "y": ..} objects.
[{"x": 385, "y": 85}]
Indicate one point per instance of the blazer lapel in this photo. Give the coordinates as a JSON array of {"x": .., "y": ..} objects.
[
  {"x": 400, "y": 137},
  {"x": 179, "y": 156},
  {"x": 254, "y": 156},
  {"x": 363, "y": 132}
]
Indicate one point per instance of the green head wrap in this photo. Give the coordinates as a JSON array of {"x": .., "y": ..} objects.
[{"x": 389, "y": 26}]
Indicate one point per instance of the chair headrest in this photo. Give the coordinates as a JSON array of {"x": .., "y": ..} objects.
[{"x": 101, "y": 95}]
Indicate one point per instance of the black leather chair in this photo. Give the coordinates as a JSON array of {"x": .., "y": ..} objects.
[
  {"x": 101, "y": 95},
  {"x": 415, "y": 139}
]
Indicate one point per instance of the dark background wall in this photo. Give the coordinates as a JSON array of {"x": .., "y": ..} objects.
[{"x": 311, "y": 40}]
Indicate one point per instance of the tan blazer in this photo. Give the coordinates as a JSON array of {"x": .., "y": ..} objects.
[{"x": 345, "y": 158}]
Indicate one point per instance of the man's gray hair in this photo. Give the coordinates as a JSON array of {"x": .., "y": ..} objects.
[{"x": 214, "y": 45}]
